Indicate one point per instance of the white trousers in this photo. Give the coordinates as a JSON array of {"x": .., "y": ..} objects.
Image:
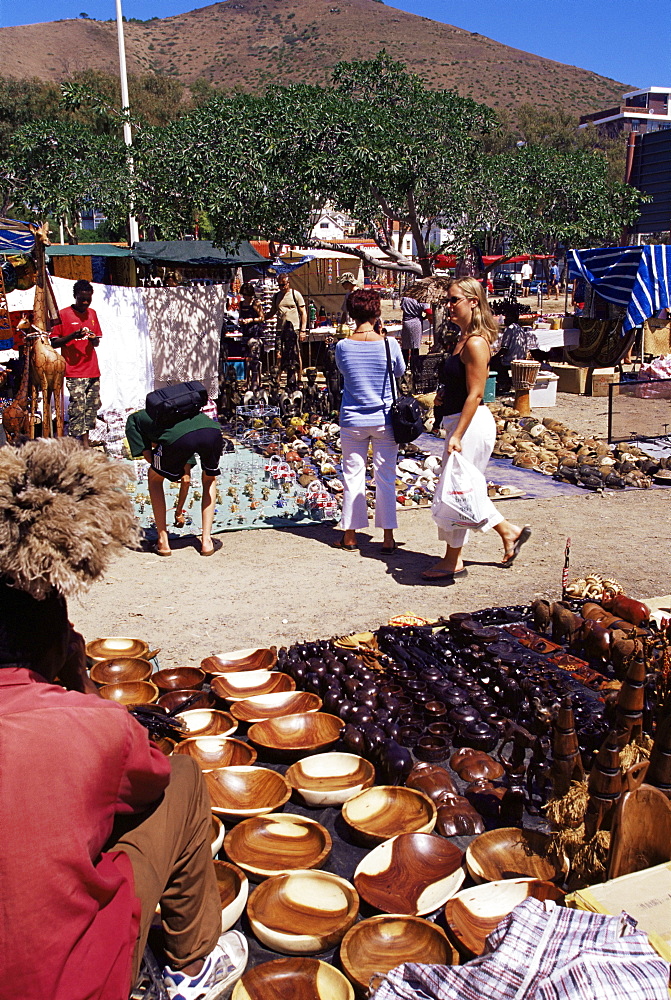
[
  {"x": 354, "y": 441},
  {"x": 477, "y": 445}
]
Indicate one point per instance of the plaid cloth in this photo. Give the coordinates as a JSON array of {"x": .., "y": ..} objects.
[{"x": 542, "y": 951}]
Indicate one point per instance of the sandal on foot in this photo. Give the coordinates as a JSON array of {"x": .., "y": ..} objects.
[
  {"x": 160, "y": 552},
  {"x": 444, "y": 574},
  {"x": 523, "y": 537},
  {"x": 340, "y": 544},
  {"x": 216, "y": 545},
  {"x": 387, "y": 550}
]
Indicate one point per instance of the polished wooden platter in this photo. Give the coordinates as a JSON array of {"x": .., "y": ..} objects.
[
  {"x": 414, "y": 873},
  {"x": 277, "y": 844},
  {"x": 251, "y": 684},
  {"x": 512, "y": 853},
  {"x": 384, "y": 811},
  {"x": 233, "y": 886},
  {"x": 293, "y": 979},
  {"x": 240, "y": 659},
  {"x": 131, "y": 693},
  {"x": 373, "y": 947},
  {"x": 474, "y": 913},
  {"x": 120, "y": 670},
  {"x": 238, "y": 792},
  {"x": 207, "y": 722},
  {"x": 329, "y": 779},
  {"x": 117, "y": 646},
  {"x": 212, "y": 752},
  {"x": 303, "y": 733},
  {"x": 178, "y": 679},
  {"x": 272, "y": 706},
  {"x": 303, "y": 912}
]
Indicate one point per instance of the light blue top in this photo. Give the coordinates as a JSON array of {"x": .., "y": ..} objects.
[{"x": 367, "y": 395}]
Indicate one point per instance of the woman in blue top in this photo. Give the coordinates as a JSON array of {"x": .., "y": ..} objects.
[{"x": 364, "y": 418}]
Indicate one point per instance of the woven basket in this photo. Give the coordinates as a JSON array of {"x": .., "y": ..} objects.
[{"x": 524, "y": 374}]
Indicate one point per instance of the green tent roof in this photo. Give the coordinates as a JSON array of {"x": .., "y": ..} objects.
[
  {"x": 87, "y": 250},
  {"x": 198, "y": 253}
]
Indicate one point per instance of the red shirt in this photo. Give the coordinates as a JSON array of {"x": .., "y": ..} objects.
[
  {"x": 81, "y": 360},
  {"x": 69, "y": 763}
]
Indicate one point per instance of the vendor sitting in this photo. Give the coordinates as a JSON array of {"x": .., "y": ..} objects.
[{"x": 168, "y": 450}]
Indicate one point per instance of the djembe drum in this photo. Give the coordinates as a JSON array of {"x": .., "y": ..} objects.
[{"x": 524, "y": 375}]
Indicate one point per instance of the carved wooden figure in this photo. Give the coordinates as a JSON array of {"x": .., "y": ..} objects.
[
  {"x": 567, "y": 764},
  {"x": 16, "y": 420},
  {"x": 47, "y": 372},
  {"x": 604, "y": 786}
]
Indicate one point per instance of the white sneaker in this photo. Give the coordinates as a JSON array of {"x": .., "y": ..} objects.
[{"x": 222, "y": 967}]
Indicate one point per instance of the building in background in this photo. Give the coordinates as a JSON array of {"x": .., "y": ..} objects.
[{"x": 641, "y": 111}]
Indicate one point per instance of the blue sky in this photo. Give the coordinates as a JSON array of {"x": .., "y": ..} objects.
[{"x": 628, "y": 40}]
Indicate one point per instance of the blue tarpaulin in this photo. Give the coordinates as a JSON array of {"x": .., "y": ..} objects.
[
  {"x": 15, "y": 237},
  {"x": 635, "y": 278}
]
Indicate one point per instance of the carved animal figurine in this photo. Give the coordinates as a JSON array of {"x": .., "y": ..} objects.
[
  {"x": 47, "y": 372},
  {"x": 622, "y": 651},
  {"x": 565, "y": 624},
  {"x": 632, "y": 611},
  {"x": 16, "y": 420},
  {"x": 596, "y": 640},
  {"x": 539, "y": 775},
  {"x": 520, "y": 740},
  {"x": 311, "y": 394},
  {"x": 541, "y": 611}
]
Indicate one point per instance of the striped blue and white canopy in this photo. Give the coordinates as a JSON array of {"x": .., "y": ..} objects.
[
  {"x": 15, "y": 237},
  {"x": 636, "y": 278}
]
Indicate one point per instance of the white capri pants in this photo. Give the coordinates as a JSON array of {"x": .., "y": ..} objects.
[
  {"x": 477, "y": 445},
  {"x": 354, "y": 442}
]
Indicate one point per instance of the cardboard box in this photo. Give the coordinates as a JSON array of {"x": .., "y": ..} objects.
[
  {"x": 601, "y": 379},
  {"x": 571, "y": 379}
]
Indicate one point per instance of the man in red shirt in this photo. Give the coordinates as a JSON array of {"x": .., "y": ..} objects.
[{"x": 78, "y": 336}]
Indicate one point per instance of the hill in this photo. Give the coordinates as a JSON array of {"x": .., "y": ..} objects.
[{"x": 247, "y": 44}]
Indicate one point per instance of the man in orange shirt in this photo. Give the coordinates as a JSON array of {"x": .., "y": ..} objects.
[{"x": 78, "y": 336}]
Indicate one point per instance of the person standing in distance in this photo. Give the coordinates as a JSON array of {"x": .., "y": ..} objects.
[{"x": 78, "y": 336}]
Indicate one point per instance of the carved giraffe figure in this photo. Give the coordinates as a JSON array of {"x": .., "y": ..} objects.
[
  {"x": 16, "y": 418},
  {"x": 47, "y": 371}
]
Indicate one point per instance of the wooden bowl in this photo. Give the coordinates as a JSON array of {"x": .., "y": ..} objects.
[
  {"x": 303, "y": 912},
  {"x": 304, "y": 733},
  {"x": 277, "y": 844},
  {"x": 120, "y": 670},
  {"x": 118, "y": 646},
  {"x": 217, "y": 835},
  {"x": 240, "y": 659},
  {"x": 413, "y": 873},
  {"x": 132, "y": 693},
  {"x": 511, "y": 853},
  {"x": 251, "y": 684},
  {"x": 271, "y": 706},
  {"x": 174, "y": 700},
  {"x": 233, "y": 888},
  {"x": 329, "y": 779},
  {"x": 375, "y": 946},
  {"x": 179, "y": 679},
  {"x": 212, "y": 752},
  {"x": 293, "y": 979},
  {"x": 474, "y": 913},
  {"x": 241, "y": 791},
  {"x": 207, "y": 722},
  {"x": 384, "y": 811}
]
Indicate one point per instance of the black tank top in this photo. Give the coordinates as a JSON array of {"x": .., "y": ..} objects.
[{"x": 453, "y": 379}]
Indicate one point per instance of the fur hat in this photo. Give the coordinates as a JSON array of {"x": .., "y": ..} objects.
[{"x": 64, "y": 512}]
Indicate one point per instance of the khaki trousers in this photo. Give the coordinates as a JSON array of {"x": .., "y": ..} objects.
[{"x": 169, "y": 847}]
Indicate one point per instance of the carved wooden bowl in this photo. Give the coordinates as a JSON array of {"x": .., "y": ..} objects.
[
  {"x": 217, "y": 835},
  {"x": 329, "y": 779},
  {"x": 207, "y": 722},
  {"x": 474, "y": 913},
  {"x": 384, "y": 811},
  {"x": 120, "y": 670},
  {"x": 241, "y": 791},
  {"x": 271, "y": 706},
  {"x": 277, "y": 844},
  {"x": 375, "y": 946},
  {"x": 240, "y": 659},
  {"x": 174, "y": 700},
  {"x": 251, "y": 684},
  {"x": 233, "y": 888},
  {"x": 118, "y": 646},
  {"x": 303, "y": 912},
  {"x": 212, "y": 752},
  {"x": 179, "y": 679},
  {"x": 131, "y": 693},
  {"x": 305, "y": 733},
  {"x": 293, "y": 979},
  {"x": 413, "y": 873},
  {"x": 511, "y": 853}
]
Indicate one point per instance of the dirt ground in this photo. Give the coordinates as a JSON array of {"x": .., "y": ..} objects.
[{"x": 281, "y": 586}]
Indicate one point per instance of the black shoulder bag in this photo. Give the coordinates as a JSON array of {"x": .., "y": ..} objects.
[{"x": 407, "y": 422}]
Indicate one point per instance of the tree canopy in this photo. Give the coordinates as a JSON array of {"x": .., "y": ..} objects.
[{"x": 377, "y": 144}]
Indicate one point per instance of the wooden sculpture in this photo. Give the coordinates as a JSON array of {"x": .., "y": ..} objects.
[
  {"x": 16, "y": 418},
  {"x": 641, "y": 828},
  {"x": 47, "y": 371},
  {"x": 604, "y": 787},
  {"x": 566, "y": 764}
]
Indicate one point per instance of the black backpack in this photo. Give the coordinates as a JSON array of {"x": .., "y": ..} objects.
[
  {"x": 405, "y": 414},
  {"x": 168, "y": 406}
]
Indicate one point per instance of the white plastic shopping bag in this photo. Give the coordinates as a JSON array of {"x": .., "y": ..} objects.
[{"x": 460, "y": 500}]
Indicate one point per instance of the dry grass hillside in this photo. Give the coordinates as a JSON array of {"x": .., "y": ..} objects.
[{"x": 246, "y": 44}]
